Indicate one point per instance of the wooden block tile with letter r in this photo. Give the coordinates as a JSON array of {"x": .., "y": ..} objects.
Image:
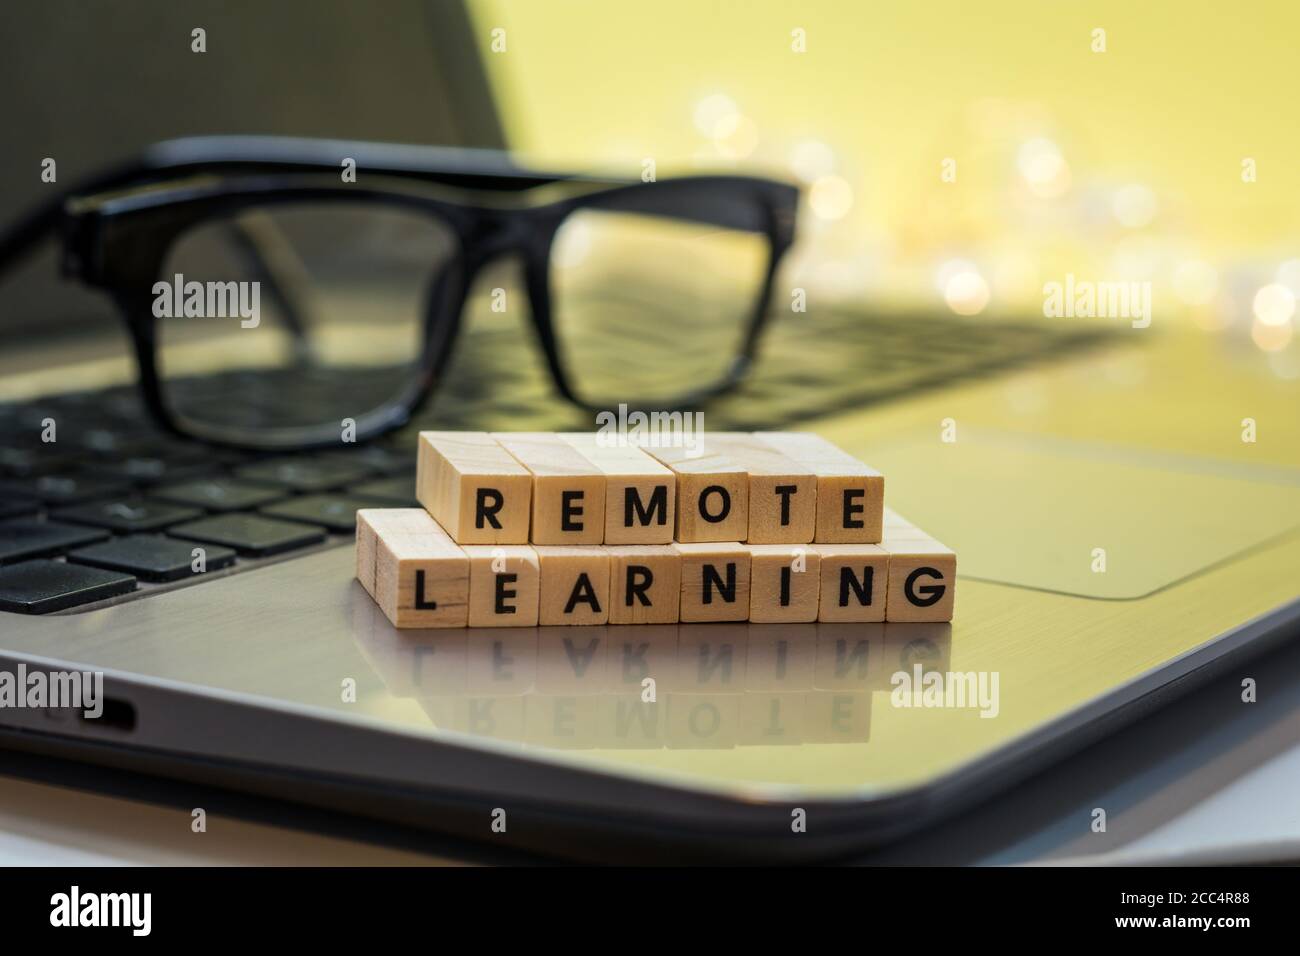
[
  {"x": 504, "y": 582},
  {"x": 712, "y": 493},
  {"x": 784, "y": 583},
  {"x": 645, "y": 584},
  {"x": 853, "y": 582},
  {"x": 715, "y": 581},
  {"x": 568, "y": 490},
  {"x": 782, "y": 492},
  {"x": 575, "y": 584},
  {"x": 475, "y": 488},
  {"x": 416, "y": 573},
  {"x": 850, "y": 495},
  {"x": 922, "y": 577},
  {"x": 640, "y": 493}
]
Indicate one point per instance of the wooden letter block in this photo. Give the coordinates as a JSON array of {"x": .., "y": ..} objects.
[
  {"x": 640, "y": 493},
  {"x": 504, "y": 582},
  {"x": 715, "y": 581},
  {"x": 922, "y": 577},
  {"x": 568, "y": 490},
  {"x": 850, "y": 495},
  {"x": 420, "y": 576},
  {"x": 785, "y": 582},
  {"x": 854, "y": 578},
  {"x": 478, "y": 492},
  {"x": 712, "y": 494},
  {"x": 645, "y": 584},
  {"x": 575, "y": 585},
  {"x": 782, "y": 492}
]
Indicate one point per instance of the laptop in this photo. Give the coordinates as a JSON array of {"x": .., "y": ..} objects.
[{"x": 1119, "y": 541}]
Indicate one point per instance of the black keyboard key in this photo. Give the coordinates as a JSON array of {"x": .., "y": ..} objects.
[
  {"x": 40, "y": 587},
  {"x": 250, "y": 534},
  {"x": 218, "y": 494},
  {"x": 376, "y": 458},
  {"x": 152, "y": 469},
  {"x": 128, "y": 517},
  {"x": 393, "y": 492},
  {"x": 304, "y": 474},
  {"x": 338, "y": 513},
  {"x": 24, "y": 538},
  {"x": 69, "y": 489},
  {"x": 153, "y": 557},
  {"x": 14, "y": 506},
  {"x": 37, "y": 459}
]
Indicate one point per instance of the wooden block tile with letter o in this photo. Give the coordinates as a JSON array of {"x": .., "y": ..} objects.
[
  {"x": 640, "y": 492},
  {"x": 712, "y": 494},
  {"x": 645, "y": 583},
  {"x": 850, "y": 495},
  {"x": 784, "y": 583},
  {"x": 575, "y": 584},
  {"x": 415, "y": 572},
  {"x": 475, "y": 488},
  {"x": 504, "y": 583},
  {"x": 568, "y": 490},
  {"x": 715, "y": 581}
]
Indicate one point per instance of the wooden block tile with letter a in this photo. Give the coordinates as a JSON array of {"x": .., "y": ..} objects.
[
  {"x": 568, "y": 490},
  {"x": 850, "y": 495},
  {"x": 504, "y": 582},
  {"x": 416, "y": 573},
  {"x": 712, "y": 493},
  {"x": 715, "y": 581},
  {"x": 853, "y": 582},
  {"x": 575, "y": 584},
  {"x": 475, "y": 488},
  {"x": 640, "y": 493},
  {"x": 784, "y": 583},
  {"x": 782, "y": 492},
  {"x": 645, "y": 584},
  {"x": 922, "y": 576}
]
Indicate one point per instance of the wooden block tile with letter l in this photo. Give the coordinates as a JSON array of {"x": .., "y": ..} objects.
[
  {"x": 782, "y": 492},
  {"x": 421, "y": 576},
  {"x": 784, "y": 583},
  {"x": 850, "y": 495},
  {"x": 712, "y": 493},
  {"x": 475, "y": 488},
  {"x": 640, "y": 492},
  {"x": 854, "y": 578},
  {"x": 568, "y": 490},
  {"x": 504, "y": 582},
  {"x": 645, "y": 584},
  {"x": 922, "y": 577},
  {"x": 715, "y": 581},
  {"x": 575, "y": 584}
]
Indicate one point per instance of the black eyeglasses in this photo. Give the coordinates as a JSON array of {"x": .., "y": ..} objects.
[{"x": 287, "y": 293}]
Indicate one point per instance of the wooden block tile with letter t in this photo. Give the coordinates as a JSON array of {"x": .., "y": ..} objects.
[
  {"x": 712, "y": 493},
  {"x": 568, "y": 490},
  {"x": 782, "y": 492},
  {"x": 416, "y": 573},
  {"x": 475, "y": 488},
  {"x": 575, "y": 584},
  {"x": 850, "y": 495}
]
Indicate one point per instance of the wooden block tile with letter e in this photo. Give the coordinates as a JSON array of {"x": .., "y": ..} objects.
[
  {"x": 575, "y": 584},
  {"x": 414, "y": 571},
  {"x": 715, "y": 581},
  {"x": 712, "y": 494},
  {"x": 475, "y": 488},
  {"x": 568, "y": 490},
  {"x": 850, "y": 495},
  {"x": 504, "y": 582},
  {"x": 784, "y": 583},
  {"x": 922, "y": 576},
  {"x": 645, "y": 584},
  {"x": 640, "y": 492},
  {"x": 782, "y": 492}
]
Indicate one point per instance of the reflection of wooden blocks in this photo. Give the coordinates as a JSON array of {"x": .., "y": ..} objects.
[
  {"x": 641, "y": 652},
  {"x": 476, "y": 490},
  {"x": 850, "y": 495},
  {"x": 568, "y": 491},
  {"x": 767, "y": 719},
  {"x": 629, "y": 723},
  {"x": 500, "y": 662},
  {"x": 782, "y": 493},
  {"x": 715, "y": 581},
  {"x": 836, "y": 717},
  {"x": 503, "y": 585},
  {"x": 711, "y": 659},
  {"x": 780, "y": 659},
  {"x": 922, "y": 578},
  {"x": 703, "y": 721},
  {"x": 575, "y": 585},
  {"x": 853, "y": 582},
  {"x": 640, "y": 493},
  {"x": 500, "y": 718},
  {"x": 562, "y": 722},
  {"x": 645, "y": 584},
  {"x": 571, "y": 660},
  {"x": 420, "y": 576},
  {"x": 850, "y": 657},
  {"x": 784, "y": 583},
  {"x": 712, "y": 495}
]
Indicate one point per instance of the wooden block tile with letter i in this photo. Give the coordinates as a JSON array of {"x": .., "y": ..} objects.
[
  {"x": 568, "y": 490},
  {"x": 850, "y": 495},
  {"x": 854, "y": 578},
  {"x": 575, "y": 584},
  {"x": 715, "y": 581},
  {"x": 645, "y": 584},
  {"x": 475, "y": 488},
  {"x": 782, "y": 492},
  {"x": 415, "y": 572},
  {"x": 504, "y": 583},
  {"x": 922, "y": 576},
  {"x": 784, "y": 583},
  {"x": 640, "y": 492},
  {"x": 712, "y": 493}
]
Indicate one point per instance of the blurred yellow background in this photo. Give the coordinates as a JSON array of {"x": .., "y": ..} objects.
[{"x": 955, "y": 153}]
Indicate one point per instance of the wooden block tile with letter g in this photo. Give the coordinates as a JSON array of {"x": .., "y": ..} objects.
[
  {"x": 475, "y": 488},
  {"x": 415, "y": 572},
  {"x": 568, "y": 490},
  {"x": 922, "y": 577}
]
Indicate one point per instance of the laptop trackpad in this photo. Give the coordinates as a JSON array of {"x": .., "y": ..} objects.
[{"x": 1033, "y": 511}]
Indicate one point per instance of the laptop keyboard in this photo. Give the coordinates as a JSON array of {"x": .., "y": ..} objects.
[{"x": 116, "y": 507}]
